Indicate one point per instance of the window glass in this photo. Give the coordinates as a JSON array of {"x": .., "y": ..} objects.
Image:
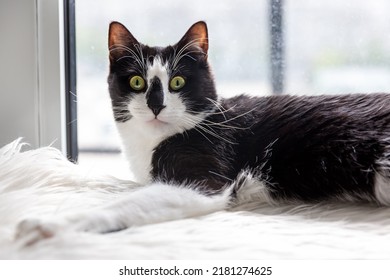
[{"x": 337, "y": 46}]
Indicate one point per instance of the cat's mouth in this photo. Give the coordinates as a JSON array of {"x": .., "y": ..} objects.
[{"x": 156, "y": 122}]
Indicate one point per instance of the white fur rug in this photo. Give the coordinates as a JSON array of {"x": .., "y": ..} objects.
[{"x": 41, "y": 183}]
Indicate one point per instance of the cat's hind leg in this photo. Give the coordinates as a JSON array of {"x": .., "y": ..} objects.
[{"x": 250, "y": 187}]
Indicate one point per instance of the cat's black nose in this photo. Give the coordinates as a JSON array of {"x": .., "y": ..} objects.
[
  {"x": 156, "y": 109},
  {"x": 155, "y": 96}
]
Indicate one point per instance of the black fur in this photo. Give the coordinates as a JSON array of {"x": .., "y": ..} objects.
[{"x": 308, "y": 148}]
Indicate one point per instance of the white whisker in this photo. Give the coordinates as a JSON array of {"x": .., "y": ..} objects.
[
  {"x": 138, "y": 57},
  {"x": 182, "y": 52},
  {"x": 199, "y": 126}
]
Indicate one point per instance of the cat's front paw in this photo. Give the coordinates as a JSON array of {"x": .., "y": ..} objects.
[
  {"x": 34, "y": 230},
  {"x": 31, "y": 231}
]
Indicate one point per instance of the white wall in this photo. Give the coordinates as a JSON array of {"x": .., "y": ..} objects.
[{"x": 31, "y": 72}]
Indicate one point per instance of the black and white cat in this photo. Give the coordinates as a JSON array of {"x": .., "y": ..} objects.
[{"x": 195, "y": 153}]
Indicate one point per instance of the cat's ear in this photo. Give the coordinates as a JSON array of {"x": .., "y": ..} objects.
[
  {"x": 119, "y": 39},
  {"x": 196, "y": 36}
]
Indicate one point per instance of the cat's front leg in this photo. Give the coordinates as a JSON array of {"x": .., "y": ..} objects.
[
  {"x": 151, "y": 204},
  {"x": 98, "y": 221}
]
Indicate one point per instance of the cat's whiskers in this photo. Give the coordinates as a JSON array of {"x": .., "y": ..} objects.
[
  {"x": 195, "y": 126},
  {"x": 223, "y": 111},
  {"x": 200, "y": 126},
  {"x": 210, "y": 131},
  {"x": 220, "y": 107},
  {"x": 175, "y": 71},
  {"x": 177, "y": 59},
  {"x": 119, "y": 46},
  {"x": 177, "y": 56},
  {"x": 201, "y": 121},
  {"x": 139, "y": 59},
  {"x": 220, "y": 175},
  {"x": 222, "y": 124},
  {"x": 239, "y": 116},
  {"x": 182, "y": 52},
  {"x": 141, "y": 54},
  {"x": 216, "y": 106}
]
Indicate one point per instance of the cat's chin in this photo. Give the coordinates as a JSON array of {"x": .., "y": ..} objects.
[{"x": 157, "y": 123}]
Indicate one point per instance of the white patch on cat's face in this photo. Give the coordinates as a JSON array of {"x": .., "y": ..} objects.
[
  {"x": 142, "y": 133},
  {"x": 159, "y": 70},
  {"x": 173, "y": 118}
]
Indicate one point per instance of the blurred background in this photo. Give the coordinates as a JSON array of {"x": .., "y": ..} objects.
[{"x": 329, "y": 47}]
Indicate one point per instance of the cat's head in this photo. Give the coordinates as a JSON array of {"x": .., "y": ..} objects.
[{"x": 160, "y": 88}]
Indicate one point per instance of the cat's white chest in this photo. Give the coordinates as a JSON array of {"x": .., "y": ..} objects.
[{"x": 139, "y": 142}]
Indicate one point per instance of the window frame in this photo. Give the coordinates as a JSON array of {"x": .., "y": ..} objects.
[
  {"x": 70, "y": 79},
  {"x": 277, "y": 59},
  {"x": 33, "y": 104}
]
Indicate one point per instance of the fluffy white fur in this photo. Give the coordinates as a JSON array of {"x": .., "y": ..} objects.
[{"x": 42, "y": 184}]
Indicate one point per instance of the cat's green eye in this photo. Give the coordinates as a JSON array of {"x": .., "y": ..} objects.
[
  {"x": 177, "y": 82},
  {"x": 137, "y": 83}
]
